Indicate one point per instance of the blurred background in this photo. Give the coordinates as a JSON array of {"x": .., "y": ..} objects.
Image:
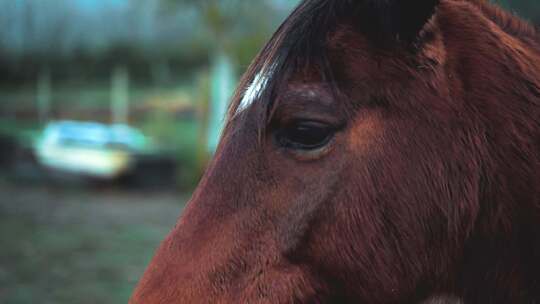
[{"x": 109, "y": 112}]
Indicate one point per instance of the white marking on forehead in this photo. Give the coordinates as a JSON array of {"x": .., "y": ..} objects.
[{"x": 256, "y": 88}]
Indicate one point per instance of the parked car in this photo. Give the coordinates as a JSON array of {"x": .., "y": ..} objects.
[{"x": 89, "y": 148}]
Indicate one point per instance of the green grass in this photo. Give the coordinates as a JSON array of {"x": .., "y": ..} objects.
[{"x": 80, "y": 247}]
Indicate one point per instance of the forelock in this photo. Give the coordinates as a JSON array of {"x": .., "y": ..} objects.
[{"x": 299, "y": 43}]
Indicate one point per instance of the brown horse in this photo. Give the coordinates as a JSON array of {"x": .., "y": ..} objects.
[{"x": 377, "y": 151}]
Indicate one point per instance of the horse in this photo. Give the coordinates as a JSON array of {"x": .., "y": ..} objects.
[{"x": 374, "y": 152}]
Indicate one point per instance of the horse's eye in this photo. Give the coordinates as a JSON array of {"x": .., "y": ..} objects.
[{"x": 305, "y": 135}]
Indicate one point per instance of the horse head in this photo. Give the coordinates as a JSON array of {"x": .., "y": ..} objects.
[{"x": 375, "y": 152}]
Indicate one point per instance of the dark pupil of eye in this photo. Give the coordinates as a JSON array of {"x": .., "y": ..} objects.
[{"x": 305, "y": 136}]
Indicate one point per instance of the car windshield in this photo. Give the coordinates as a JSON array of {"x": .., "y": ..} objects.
[{"x": 95, "y": 135}]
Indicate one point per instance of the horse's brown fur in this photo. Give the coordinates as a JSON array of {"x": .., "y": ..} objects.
[{"x": 430, "y": 187}]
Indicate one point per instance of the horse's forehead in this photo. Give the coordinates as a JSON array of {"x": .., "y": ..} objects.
[{"x": 306, "y": 87}]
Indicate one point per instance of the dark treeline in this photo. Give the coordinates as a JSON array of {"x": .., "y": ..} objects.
[
  {"x": 84, "y": 67},
  {"x": 155, "y": 39}
]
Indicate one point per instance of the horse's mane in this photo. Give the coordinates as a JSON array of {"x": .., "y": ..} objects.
[{"x": 300, "y": 42}]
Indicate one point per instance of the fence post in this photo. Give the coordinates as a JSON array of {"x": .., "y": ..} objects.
[
  {"x": 43, "y": 95},
  {"x": 222, "y": 87},
  {"x": 120, "y": 95}
]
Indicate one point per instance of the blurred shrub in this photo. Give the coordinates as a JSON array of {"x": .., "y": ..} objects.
[{"x": 178, "y": 138}]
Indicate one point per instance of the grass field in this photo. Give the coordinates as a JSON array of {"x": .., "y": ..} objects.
[{"x": 78, "y": 245}]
